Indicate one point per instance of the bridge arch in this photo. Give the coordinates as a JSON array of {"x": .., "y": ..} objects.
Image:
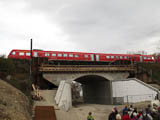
[
  {"x": 96, "y": 89},
  {"x": 55, "y": 78}
]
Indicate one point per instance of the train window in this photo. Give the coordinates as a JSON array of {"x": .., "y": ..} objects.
[
  {"x": 121, "y": 57},
  {"x": 125, "y": 57},
  {"x": 53, "y": 54},
  {"x": 13, "y": 53},
  {"x": 59, "y": 55},
  {"x": 70, "y": 55},
  {"x": 76, "y": 56},
  {"x": 65, "y": 55},
  {"x": 112, "y": 57},
  {"x": 21, "y": 53},
  {"x": 28, "y": 54},
  {"x": 107, "y": 57},
  {"x": 117, "y": 57},
  {"x": 86, "y": 56},
  {"x": 46, "y": 54},
  {"x": 145, "y": 58},
  {"x": 149, "y": 58}
]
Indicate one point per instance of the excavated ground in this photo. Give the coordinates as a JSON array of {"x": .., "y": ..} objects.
[
  {"x": 80, "y": 112},
  {"x": 14, "y": 105}
]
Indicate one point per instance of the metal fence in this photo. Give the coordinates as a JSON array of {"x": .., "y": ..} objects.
[
  {"x": 138, "y": 98},
  {"x": 133, "y": 98}
]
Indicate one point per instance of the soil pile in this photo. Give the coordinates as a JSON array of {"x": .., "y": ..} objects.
[{"x": 14, "y": 105}]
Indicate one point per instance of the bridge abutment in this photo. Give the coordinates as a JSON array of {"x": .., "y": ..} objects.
[{"x": 96, "y": 87}]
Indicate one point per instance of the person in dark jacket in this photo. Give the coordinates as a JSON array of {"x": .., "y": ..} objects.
[
  {"x": 112, "y": 115},
  {"x": 116, "y": 110}
]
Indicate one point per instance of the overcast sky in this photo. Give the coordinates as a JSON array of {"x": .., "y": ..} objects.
[{"x": 108, "y": 26}]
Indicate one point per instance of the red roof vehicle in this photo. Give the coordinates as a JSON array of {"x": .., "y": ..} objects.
[{"x": 81, "y": 56}]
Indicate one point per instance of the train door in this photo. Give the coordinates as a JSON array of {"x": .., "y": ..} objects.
[
  {"x": 92, "y": 57},
  {"x": 141, "y": 58},
  {"x": 35, "y": 54},
  {"x": 156, "y": 59},
  {"x": 97, "y": 57}
]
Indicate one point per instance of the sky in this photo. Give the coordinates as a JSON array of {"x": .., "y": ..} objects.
[{"x": 100, "y": 26}]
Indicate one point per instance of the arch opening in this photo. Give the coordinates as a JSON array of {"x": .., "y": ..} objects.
[{"x": 95, "y": 89}]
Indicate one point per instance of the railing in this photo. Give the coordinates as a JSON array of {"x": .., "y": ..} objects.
[
  {"x": 133, "y": 98},
  {"x": 138, "y": 98},
  {"x": 86, "y": 68}
]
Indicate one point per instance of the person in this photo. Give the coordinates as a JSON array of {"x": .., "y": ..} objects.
[
  {"x": 112, "y": 115},
  {"x": 155, "y": 107},
  {"x": 146, "y": 116},
  {"x": 140, "y": 114},
  {"x": 118, "y": 116},
  {"x": 148, "y": 109},
  {"x": 135, "y": 110},
  {"x": 90, "y": 117},
  {"x": 125, "y": 109},
  {"x": 116, "y": 110},
  {"x": 131, "y": 108},
  {"x": 154, "y": 115},
  {"x": 134, "y": 116},
  {"x": 126, "y": 116}
]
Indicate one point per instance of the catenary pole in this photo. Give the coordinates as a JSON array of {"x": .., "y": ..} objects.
[{"x": 30, "y": 76}]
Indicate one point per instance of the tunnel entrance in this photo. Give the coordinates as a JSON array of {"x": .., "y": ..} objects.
[{"x": 96, "y": 89}]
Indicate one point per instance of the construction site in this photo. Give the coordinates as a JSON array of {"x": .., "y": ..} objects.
[
  {"x": 83, "y": 89},
  {"x": 69, "y": 92}
]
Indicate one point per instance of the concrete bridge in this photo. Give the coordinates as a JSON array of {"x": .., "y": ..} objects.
[{"x": 95, "y": 80}]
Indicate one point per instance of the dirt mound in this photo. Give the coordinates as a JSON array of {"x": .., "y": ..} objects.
[{"x": 14, "y": 105}]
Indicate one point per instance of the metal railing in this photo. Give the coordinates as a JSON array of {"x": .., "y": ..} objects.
[
  {"x": 86, "y": 68},
  {"x": 138, "y": 98}
]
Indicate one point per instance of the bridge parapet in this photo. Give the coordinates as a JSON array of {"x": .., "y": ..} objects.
[{"x": 87, "y": 68}]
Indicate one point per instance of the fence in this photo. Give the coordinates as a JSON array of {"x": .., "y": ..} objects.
[
  {"x": 138, "y": 98},
  {"x": 133, "y": 98}
]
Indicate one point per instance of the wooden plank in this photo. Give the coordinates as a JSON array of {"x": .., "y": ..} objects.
[{"x": 45, "y": 113}]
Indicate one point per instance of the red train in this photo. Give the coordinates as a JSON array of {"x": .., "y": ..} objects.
[{"x": 82, "y": 56}]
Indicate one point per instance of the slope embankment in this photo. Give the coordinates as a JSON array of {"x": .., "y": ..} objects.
[{"x": 14, "y": 105}]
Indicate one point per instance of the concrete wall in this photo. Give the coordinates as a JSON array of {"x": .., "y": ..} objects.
[{"x": 132, "y": 90}]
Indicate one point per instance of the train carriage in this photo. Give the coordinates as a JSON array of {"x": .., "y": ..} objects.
[{"x": 82, "y": 56}]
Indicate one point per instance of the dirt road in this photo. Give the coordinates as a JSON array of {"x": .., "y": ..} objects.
[{"x": 78, "y": 112}]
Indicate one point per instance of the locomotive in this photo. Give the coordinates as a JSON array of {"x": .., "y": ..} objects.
[{"x": 82, "y": 57}]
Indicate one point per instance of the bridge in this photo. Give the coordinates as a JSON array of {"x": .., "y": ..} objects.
[
  {"x": 87, "y": 68},
  {"x": 95, "y": 79}
]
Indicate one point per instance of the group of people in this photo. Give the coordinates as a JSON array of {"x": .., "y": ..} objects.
[{"x": 131, "y": 113}]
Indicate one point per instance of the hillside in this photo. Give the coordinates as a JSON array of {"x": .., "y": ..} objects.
[
  {"x": 152, "y": 71},
  {"x": 14, "y": 105}
]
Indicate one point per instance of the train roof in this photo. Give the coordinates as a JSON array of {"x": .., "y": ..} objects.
[{"x": 80, "y": 52}]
